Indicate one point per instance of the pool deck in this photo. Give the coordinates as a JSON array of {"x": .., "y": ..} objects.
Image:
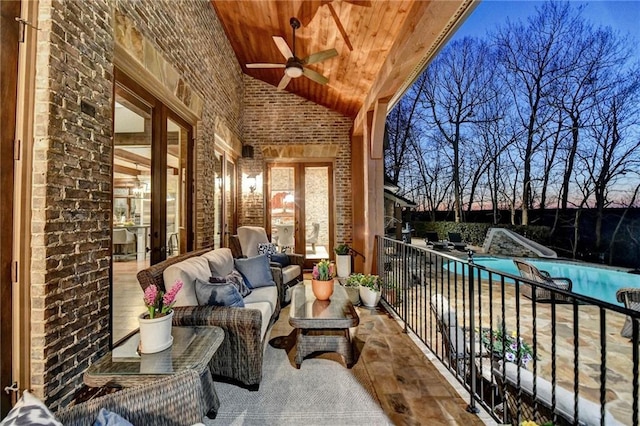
[{"x": 619, "y": 364}]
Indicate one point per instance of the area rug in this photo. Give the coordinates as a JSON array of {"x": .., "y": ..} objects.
[{"x": 322, "y": 392}]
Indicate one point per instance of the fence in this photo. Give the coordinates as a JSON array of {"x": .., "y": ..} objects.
[{"x": 523, "y": 349}]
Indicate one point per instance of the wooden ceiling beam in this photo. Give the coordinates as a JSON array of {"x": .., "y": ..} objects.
[{"x": 428, "y": 27}]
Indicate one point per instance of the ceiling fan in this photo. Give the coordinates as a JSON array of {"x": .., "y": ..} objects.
[{"x": 295, "y": 67}]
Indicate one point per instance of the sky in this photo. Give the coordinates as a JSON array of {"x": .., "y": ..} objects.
[{"x": 621, "y": 15}]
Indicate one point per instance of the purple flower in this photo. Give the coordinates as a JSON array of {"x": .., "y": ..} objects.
[
  {"x": 150, "y": 294},
  {"x": 509, "y": 356},
  {"x": 170, "y": 297}
]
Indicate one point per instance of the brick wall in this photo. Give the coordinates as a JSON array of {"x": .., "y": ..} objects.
[
  {"x": 276, "y": 119},
  {"x": 73, "y": 164}
]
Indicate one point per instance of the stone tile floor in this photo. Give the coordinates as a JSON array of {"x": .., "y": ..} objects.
[{"x": 410, "y": 388}]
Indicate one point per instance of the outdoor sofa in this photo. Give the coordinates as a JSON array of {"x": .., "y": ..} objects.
[{"x": 239, "y": 358}]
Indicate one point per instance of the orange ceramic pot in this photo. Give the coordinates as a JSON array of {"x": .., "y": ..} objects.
[{"x": 322, "y": 289}]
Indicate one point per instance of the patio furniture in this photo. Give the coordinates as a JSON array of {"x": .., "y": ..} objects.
[
  {"x": 456, "y": 242},
  {"x": 249, "y": 238},
  {"x": 517, "y": 388},
  {"x": 530, "y": 272},
  {"x": 168, "y": 401},
  {"x": 433, "y": 241},
  {"x": 124, "y": 242},
  {"x": 453, "y": 336},
  {"x": 192, "y": 349},
  {"x": 239, "y": 358},
  {"x": 322, "y": 326},
  {"x": 285, "y": 236},
  {"x": 630, "y": 297}
]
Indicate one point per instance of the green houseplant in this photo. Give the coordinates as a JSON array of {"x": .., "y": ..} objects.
[
  {"x": 322, "y": 279},
  {"x": 352, "y": 286},
  {"x": 343, "y": 259},
  {"x": 370, "y": 290}
]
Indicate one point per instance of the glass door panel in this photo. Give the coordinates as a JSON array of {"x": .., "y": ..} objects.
[
  {"x": 282, "y": 206},
  {"x": 176, "y": 188},
  {"x": 230, "y": 201},
  {"x": 218, "y": 221},
  {"x": 317, "y": 220},
  {"x": 131, "y": 208}
]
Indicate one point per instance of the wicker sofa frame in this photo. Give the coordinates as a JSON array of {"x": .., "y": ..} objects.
[
  {"x": 239, "y": 357},
  {"x": 172, "y": 401}
]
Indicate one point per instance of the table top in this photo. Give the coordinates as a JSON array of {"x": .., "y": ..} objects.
[
  {"x": 193, "y": 348},
  {"x": 307, "y": 312}
]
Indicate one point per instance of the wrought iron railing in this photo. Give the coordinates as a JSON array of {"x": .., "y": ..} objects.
[{"x": 524, "y": 350}]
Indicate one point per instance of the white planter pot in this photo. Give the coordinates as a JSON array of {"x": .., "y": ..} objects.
[
  {"x": 369, "y": 297},
  {"x": 343, "y": 265},
  {"x": 155, "y": 334}
]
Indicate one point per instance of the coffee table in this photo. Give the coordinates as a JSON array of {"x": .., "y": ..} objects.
[
  {"x": 322, "y": 326},
  {"x": 193, "y": 348}
]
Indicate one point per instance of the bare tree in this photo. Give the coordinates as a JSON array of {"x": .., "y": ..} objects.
[
  {"x": 455, "y": 88},
  {"x": 535, "y": 57}
]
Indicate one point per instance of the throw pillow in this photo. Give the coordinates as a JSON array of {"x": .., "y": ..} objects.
[
  {"x": 109, "y": 418},
  {"x": 281, "y": 258},
  {"x": 267, "y": 248},
  {"x": 234, "y": 278},
  {"x": 256, "y": 271},
  {"x": 30, "y": 411},
  {"x": 218, "y": 294},
  {"x": 237, "y": 280}
]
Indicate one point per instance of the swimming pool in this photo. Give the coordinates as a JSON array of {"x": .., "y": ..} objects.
[{"x": 599, "y": 283}]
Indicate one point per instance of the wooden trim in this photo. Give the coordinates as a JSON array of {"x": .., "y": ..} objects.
[{"x": 9, "y": 39}]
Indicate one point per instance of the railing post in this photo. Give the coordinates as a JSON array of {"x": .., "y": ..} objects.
[
  {"x": 405, "y": 274},
  {"x": 471, "y": 408}
]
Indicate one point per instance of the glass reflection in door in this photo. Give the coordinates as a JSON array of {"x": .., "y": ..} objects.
[
  {"x": 317, "y": 220},
  {"x": 177, "y": 145},
  {"x": 283, "y": 207}
]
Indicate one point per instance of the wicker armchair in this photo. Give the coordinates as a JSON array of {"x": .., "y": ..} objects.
[
  {"x": 239, "y": 357},
  {"x": 543, "y": 294},
  {"x": 630, "y": 297},
  {"x": 174, "y": 401}
]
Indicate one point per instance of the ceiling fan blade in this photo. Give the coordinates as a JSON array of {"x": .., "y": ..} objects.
[
  {"x": 283, "y": 47},
  {"x": 308, "y": 9},
  {"x": 345, "y": 36},
  {"x": 314, "y": 58},
  {"x": 283, "y": 83},
  {"x": 363, "y": 3},
  {"x": 266, "y": 65},
  {"x": 315, "y": 76}
]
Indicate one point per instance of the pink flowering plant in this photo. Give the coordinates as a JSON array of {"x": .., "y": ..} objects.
[
  {"x": 324, "y": 270},
  {"x": 158, "y": 302}
]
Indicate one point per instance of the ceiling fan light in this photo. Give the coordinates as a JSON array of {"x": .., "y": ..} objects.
[{"x": 294, "y": 71}]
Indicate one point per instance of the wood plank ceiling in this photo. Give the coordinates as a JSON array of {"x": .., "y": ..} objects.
[{"x": 364, "y": 33}]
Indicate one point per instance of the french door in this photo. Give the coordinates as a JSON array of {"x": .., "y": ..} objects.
[
  {"x": 225, "y": 199},
  {"x": 300, "y": 208},
  {"x": 152, "y": 194}
]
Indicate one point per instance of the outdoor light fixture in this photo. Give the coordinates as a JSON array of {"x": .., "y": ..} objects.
[{"x": 293, "y": 69}]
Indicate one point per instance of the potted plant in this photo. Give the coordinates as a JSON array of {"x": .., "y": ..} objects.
[
  {"x": 352, "y": 287},
  {"x": 322, "y": 279},
  {"x": 343, "y": 260},
  {"x": 370, "y": 290},
  {"x": 155, "y": 324}
]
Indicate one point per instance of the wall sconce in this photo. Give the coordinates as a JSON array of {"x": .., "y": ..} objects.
[{"x": 252, "y": 183}]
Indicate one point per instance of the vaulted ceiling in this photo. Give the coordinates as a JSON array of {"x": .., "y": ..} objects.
[{"x": 381, "y": 45}]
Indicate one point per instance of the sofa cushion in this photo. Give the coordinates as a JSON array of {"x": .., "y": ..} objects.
[
  {"x": 290, "y": 273},
  {"x": 109, "y": 418},
  {"x": 263, "y": 294},
  {"x": 256, "y": 271},
  {"x": 220, "y": 261},
  {"x": 265, "y": 312},
  {"x": 218, "y": 294},
  {"x": 250, "y": 237},
  {"x": 187, "y": 271}
]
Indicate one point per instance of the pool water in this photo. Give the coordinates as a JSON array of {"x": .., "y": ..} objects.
[{"x": 598, "y": 283}]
